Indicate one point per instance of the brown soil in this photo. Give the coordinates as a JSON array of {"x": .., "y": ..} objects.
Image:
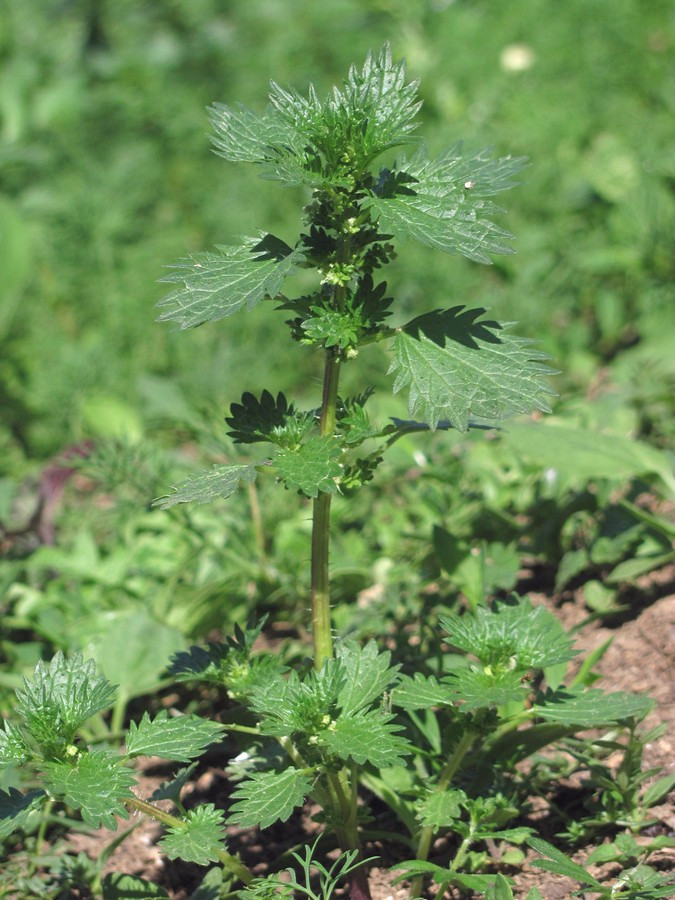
[{"x": 638, "y": 660}]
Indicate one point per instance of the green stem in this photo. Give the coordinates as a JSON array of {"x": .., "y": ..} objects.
[
  {"x": 231, "y": 863},
  {"x": 446, "y": 776},
  {"x": 321, "y": 628}
]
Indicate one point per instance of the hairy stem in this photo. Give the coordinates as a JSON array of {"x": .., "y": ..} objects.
[
  {"x": 321, "y": 629},
  {"x": 446, "y": 776}
]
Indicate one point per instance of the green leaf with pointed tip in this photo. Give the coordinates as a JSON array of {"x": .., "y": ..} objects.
[
  {"x": 61, "y": 696},
  {"x": 180, "y": 738},
  {"x": 13, "y": 749},
  {"x": 368, "y": 737},
  {"x": 519, "y": 636},
  {"x": 455, "y": 366},
  {"x": 216, "y": 285},
  {"x": 333, "y": 327},
  {"x": 219, "y": 482},
  {"x": 590, "y": 708},
  {"x": 441, "y": 808},
  {"x": 442, "y": 202},
  {"x": 15, "y": 808},
  {"x": 268, "y": 797},
  {"x": 96, "y": 785},
  {"x": 200, "y": 840},
  {"x": 368, "y": 674},
  {"x": 306, "y": 140},
  {"x": 478, "y": 689},
  {"x": 243, "y": 136},
  {"x": 420, "y": 692},
  {"x": 500, "y": 890},
  {"x": 311, "y": 467}
]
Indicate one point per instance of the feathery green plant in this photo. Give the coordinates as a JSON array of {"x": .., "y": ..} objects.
[{"x": 352, "y": 717}]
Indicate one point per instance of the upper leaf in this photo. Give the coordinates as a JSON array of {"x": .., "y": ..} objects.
[
  {"x": 267, "y": 797},
  {"x": 311, "y": 467},
  {"x": 96, "y": 785},
  {"x": 421, "y": 692},
  {"x": 441, "y": 808},
  {"x": 61, "y": 696},
  {"x": 216, "y": 285},
  {"x": 518, "y": 637},
  {"x": 482, "y": 688},
  {"x": 219, "y": 482},
  {"x": 366, "y": 737},
  {"x": 455, "y": 366},
  {"x": 227, "y": 664},
  {"x": 318, "y": 142},
  {"x": 441, "y": 203},
  {"x": 201, "y": 838},
  {"x": 368, "y": 674},
  {"x": 180, "y": 738}
]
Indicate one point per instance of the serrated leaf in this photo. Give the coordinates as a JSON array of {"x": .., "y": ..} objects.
[
  {"x": 333, "y": 327},
  {"x": 443, "y": 205},
  {"x": 593, "y": 707},
  {"x": 441, "y": 808},
  {"x": 15, "y": 808},
  {"x": 61, "y": 696},
  {"x": 255, "y": 420},
  {"x": 421, "y": 692},
  {"x": 178, "y": 738},
  {"x": 243, "y": 136},
  {"x": 455, "y": 366},
  {"x": 518, "y": 635},
  {"x": 267, "y": 797},
  {"x": 13, "y": 749},
  {"x": 311, "y": 467},
  {"x": 367, "y": 675},
  {"x": 478, "y": 688},
  {"x": 96, "y": 785},
  {"x": 218, "y": 483},
  {"x": 304, "y": 140},
  {"x": 216, "y": 285},
  {"x": 366, "y": 738},
  {"x": 201, "y": 838},
  {"x": 116, "y": 886}
]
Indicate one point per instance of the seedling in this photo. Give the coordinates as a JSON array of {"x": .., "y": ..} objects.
[{"x": 351, "y": 717}]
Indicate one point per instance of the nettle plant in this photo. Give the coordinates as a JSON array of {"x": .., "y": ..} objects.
[{"x": 439, "y": 746}]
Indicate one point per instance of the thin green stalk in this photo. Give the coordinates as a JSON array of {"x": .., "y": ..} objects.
[
  {"x": 231, "y": 863},
  {"x": 321, "y": 628},
  {"x": 446, "y": 776},
  {"x": 320, "y": 584}
]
